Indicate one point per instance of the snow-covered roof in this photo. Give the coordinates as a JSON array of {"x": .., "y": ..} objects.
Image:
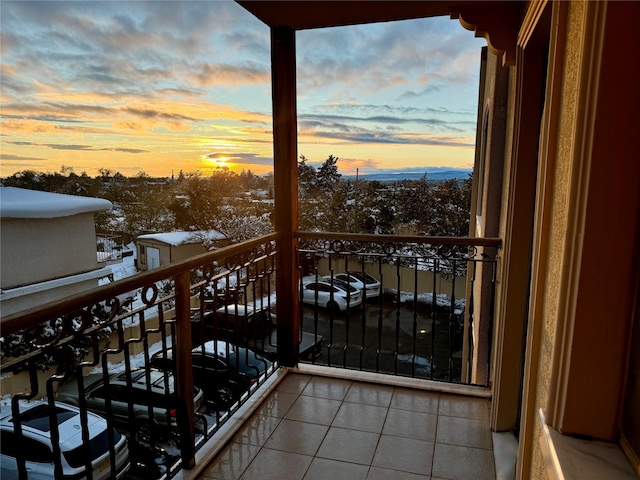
[
  {"x": 23, "y": 203},
  {"x": 183, "y": 238}
]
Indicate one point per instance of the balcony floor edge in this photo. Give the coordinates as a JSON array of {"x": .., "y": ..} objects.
[
  {"x": 394, "y": 381},
  {"x": 212, "y": 447}
]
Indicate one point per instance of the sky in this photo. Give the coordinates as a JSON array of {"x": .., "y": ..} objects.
[{"x": 161, "y": 86}]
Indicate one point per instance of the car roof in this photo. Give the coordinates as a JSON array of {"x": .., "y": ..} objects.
[
  {"x": 239, "y": 309},
  {"x": 35, "y": 422},
  {"x": 139, "y": 378},
  {"x": 341, "y": 284},
  {"x": 219, "y": 347}
]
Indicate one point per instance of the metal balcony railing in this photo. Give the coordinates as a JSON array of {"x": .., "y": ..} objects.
[
  {"x": 426, "y": 311},
  {"x": 109, "y": 247},
  {"x": 167, "y": 368},
  {"x": 151, "y": 366}
]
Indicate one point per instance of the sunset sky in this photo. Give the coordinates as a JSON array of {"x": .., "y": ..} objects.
[{"x": 167, "y": 86}]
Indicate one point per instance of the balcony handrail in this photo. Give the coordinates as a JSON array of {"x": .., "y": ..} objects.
[
  {"x": 34, "y": 316},
  {"x": 361, "y": 237}
]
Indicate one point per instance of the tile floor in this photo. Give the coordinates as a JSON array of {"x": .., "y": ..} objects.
[{"x": 317, "y": 428}]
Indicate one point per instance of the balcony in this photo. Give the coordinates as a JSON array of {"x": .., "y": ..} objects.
[
  {"x": 317, "y": 427},
  {"x": 404, "y": 369}
]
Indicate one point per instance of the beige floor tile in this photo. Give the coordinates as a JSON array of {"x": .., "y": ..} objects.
[
  {"x": 231, "y": 462},
  {"x": 277, "y": 404},
  {"x": 276, "y": 465},
  {"x": 356, "y": 416},
  {"x": 463, "y": 463},
  {"x": 293, "y": 383},
  {"x": 415, "y": 400},
  {"x": 325, "y": 387},
  {"x": 349, "y": 445},
  {"x": 297, "y": 437},
  {"x": 257, "y": 430},
  {"x": 313, "y": 410},
  {"x": 404, "y": 454},
  {"x": 467, "y": 432},
  {"x": 466, "y": 407},
  {"x": 404, "y": 423},
  {"x": 325, "y": 469},
  {"x": 370, "y": 394},
  {"x": 377, "y": 473}
]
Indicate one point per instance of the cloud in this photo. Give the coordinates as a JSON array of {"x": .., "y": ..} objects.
[
  {"x": 215, "y": 74},
  {"x": 242, "y": 158},
  {"x": 180, "y": 79},
  {"x": 320, "y": 120},
  {"x": 370, "y": 109},
  {"x": 416, "y": 54},
  {"x": 56, "y": 146},
  {"x": 10, "y": 156},
  {"x": 368, "y": 137}
]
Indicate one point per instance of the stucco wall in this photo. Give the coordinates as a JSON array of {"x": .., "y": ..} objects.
[
  {"x": 559, "y": 220},
  {"x": 22, "y": 302},
  {"x": 36, "y": 250},
  {"x": 444, "y": 284}
]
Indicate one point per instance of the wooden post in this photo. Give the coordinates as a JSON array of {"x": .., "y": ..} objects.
[
  {"x": 283, "y": 74},
  {"x": 183, "y": 380}
]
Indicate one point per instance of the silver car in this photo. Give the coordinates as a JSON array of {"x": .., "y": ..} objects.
[
  {"x": 159, "y": 394},
  {"x": 36, "y": 447}
]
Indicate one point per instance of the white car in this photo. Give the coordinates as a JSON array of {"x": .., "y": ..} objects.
[
  {"x": 362, "y": 281},
  {"x": 35, "y": 444},
  {"x": 334, "y": 295}
]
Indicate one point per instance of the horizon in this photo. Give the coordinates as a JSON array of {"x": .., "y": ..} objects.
[{"x": 145, "y": 87}]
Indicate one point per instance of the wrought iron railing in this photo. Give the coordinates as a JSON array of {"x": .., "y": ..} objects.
[
  {"x": 109, "y": 247},
  {"x": 132, "y": 362},
  {"x": 430, "y": 317}
]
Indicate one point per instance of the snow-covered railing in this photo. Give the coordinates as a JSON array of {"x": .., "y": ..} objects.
[
  {"x": 109, "y": 247},
  {"x": 58, "y": 350},
  {"x": 431, "y": 317}
]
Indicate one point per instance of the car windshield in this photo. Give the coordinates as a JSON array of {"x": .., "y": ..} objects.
[
  {"x": 38, "y": 417},
  {"x": 98, "y": 446},
  {"x": 344, "y": 285},
  {"x": 368, "y": 279},
  {"x": 248, "y": 362}
]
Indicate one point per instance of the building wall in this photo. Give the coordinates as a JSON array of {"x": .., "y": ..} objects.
[
  {"x": 558, "y": 222},
  {"x": 37, "y": 250},
  {"x": 444, "y": 285},
  {"x": 168, "y": 253},
  {"x": 584, "y": 295},
  {"x": 18, "y": 299}
]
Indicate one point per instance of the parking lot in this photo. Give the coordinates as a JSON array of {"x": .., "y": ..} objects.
[{"x": 388, "y": 337}]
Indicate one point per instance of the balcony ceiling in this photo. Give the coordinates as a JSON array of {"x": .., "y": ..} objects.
[
  {"x": 497, "y": 21},
  {"x": 318, "y": 14}
]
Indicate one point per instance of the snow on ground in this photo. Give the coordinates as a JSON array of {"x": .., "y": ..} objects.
[
  {"x": 442, "y": 300},
  {"x": 127, "y": 267}
]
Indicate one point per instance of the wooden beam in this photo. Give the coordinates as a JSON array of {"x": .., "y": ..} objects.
[
  {"x": 283, "y": 65},
  {"x": 184, "y": 372}
]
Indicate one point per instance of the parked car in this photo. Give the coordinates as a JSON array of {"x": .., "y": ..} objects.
[
  {"x": 36, "y": 446},
  {"x": 359, "y": 280},
  {"x": 334, "y": 295},
  {"x": 256, "y": 328},
  {"x": 159, "y": 394},
  {"x": 223, "y": 370}
]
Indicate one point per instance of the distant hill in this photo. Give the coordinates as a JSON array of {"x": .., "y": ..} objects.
[{"x": 432, "y": 174}]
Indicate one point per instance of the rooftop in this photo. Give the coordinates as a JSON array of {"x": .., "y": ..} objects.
[{"x": 23, "y": 203}]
